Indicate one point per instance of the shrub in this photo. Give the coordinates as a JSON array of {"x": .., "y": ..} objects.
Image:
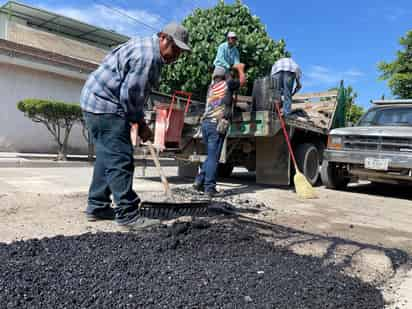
[{"x": 58, "y": 117}]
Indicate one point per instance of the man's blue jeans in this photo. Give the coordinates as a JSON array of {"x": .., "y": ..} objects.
[
  {"x": 285, "y": 81},
  {"x": 114, "y": 167},
  {"x": 214, "y": 142}
]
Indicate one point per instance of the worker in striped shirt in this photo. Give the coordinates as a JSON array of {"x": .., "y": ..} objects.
[
  {"x": 284, "y": 73},
  {"x": 215, "y": 123},
  {"x": 112, "y": 100}
]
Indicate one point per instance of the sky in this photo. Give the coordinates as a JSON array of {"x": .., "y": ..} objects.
[{"x": 330, "y": 40}]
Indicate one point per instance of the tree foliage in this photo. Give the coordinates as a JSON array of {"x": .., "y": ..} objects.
[
  {"x": 208, "y": 29},
  {"x": 58, "y": 117},
  {"x": 399, "y": 72}
]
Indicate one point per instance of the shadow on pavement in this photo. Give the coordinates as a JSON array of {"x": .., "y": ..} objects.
[{"x": 384, "y": 190}]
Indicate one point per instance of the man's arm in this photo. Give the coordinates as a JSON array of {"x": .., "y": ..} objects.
[
  {"x": 236, "y": 59},
  {"x": 135, "y": 88},
  {"x": 233, "y": 85},
  {"x": 240, "y": 67},
  {"x": 298, "y": 75},
  {"x": 298, "y": 86}
]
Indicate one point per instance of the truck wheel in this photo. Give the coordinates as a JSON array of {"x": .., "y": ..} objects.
[
  {"x": 332, "y": 176},
  {"x": 224, "y": 170},
  {"x": 187, "y": 169},
  {"x": 307, "y": 157}
]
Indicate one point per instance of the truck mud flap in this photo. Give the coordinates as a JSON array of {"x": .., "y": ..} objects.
[{"x": 272, "y": 161}]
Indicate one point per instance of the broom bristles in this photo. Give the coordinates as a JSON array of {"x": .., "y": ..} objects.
[{"x": 303, "y": 188}]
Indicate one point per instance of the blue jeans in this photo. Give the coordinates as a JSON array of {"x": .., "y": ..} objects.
[
  {"x": 214, "y": 142},
  {"x": 114, "y": 167},
  {"x": 284, "y": 81}
]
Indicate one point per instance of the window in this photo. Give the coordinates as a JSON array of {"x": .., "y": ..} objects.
[{"x": 388, "y": 116}]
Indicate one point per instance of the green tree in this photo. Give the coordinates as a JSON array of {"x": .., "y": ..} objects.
[
  {"x": 58, "y": 117},
  {"x": 208, "y": 28},
  {"x": 399, "y": 72}
]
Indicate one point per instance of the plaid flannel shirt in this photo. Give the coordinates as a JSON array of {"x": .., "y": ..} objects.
[
  {"x": 288, "y": 65},
  {"x": 121, "y": 84}
]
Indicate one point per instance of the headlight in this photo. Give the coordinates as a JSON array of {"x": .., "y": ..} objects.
[{"x": 335, "y": 142}]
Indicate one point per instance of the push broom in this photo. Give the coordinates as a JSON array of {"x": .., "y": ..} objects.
[
  {"x": 302, "y": 186},
  {"x": 169, "y": 208}
]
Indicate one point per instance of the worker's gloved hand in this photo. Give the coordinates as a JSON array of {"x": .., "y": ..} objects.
[
  {"x": 145, "y": 133},
  {"x": 222, "y": 126}
]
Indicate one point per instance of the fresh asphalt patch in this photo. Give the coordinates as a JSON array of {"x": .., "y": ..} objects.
[{"x": 186, "y": 265}]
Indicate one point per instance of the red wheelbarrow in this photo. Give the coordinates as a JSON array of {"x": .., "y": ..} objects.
[{"x": 170, "y": 120}]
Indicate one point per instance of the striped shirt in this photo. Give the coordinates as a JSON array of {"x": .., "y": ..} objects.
[
  {"x": 121, "y": 84},
  {"x": 288, "y": 65},
  {"x": 219, "y": 99}
]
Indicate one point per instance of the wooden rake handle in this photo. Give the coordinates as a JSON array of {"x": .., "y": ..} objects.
[{"x": 160, "y": 170}]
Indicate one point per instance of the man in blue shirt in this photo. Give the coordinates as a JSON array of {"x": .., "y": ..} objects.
[
  {"x": 228, "y": 57},
  {"x": 112, "y": 99}
]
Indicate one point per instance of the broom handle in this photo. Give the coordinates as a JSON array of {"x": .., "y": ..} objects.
[
  {"x": 285, "y": 133},
  {"x": 160, "y": 170}
]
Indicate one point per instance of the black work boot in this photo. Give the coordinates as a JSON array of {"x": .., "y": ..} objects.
[
  {"x": 101, "y": 214},
  {"x": 198, "y": 187}
]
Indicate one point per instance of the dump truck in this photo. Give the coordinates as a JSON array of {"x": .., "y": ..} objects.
[{"x": 255, "y": 140}]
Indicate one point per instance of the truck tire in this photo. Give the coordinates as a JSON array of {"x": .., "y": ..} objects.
[
  {"x": 332, "y": 177},
  {"x": 224, "y": 170},
  {"x": 187, "y": 169},
  {"x": 308, "y": 160}
]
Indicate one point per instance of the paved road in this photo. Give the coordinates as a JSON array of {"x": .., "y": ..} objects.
[{"x": 370, "y": 224}]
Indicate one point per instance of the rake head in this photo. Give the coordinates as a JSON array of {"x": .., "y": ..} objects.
[{"x": 170, "y": 210}]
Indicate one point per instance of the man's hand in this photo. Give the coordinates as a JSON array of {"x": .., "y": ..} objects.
[
  {"x": 145, "y": 133},
  {"x": 297, "y": 88}
]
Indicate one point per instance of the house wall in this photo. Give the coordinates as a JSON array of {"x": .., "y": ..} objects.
[
  {"x": 25, "y": 35},
  {"x": 17, "y": 132},
  {"x": 3, "y": 26}
]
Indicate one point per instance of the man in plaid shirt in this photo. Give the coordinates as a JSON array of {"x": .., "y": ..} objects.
[
  {"x": 112, "y": 99},
  {"x": 284, "y": 73}
]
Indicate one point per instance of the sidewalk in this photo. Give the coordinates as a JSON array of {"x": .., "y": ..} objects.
[
  {"x": 12, "y": 159},
  {"x": 35, "y": 160}
]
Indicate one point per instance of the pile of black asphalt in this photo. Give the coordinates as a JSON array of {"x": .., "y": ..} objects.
[{"x": 186, "y": 265}]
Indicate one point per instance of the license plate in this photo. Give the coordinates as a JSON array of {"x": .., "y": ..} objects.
[{"x": 377, "y": 164}]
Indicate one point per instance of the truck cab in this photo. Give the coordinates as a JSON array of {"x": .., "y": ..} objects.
[{"x": 378, "y": 148}]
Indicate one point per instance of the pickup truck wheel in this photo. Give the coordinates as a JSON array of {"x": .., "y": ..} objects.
[
  {"x": 332, "y": 176},
  {"x": 224, "y": 170},
  {"x": 307, "y": 157},
  {"x": 187, "y": 169}
]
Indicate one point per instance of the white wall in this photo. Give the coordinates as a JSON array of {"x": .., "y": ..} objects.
[{"x": 17, "y": 132}]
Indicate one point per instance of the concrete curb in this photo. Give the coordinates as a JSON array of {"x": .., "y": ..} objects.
[
  {"x": 13, "y": 163},
  {"x": 36, "y": 162}
]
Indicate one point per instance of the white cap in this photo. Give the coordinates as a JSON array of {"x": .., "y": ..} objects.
[{"x": 231, "y": 34}]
